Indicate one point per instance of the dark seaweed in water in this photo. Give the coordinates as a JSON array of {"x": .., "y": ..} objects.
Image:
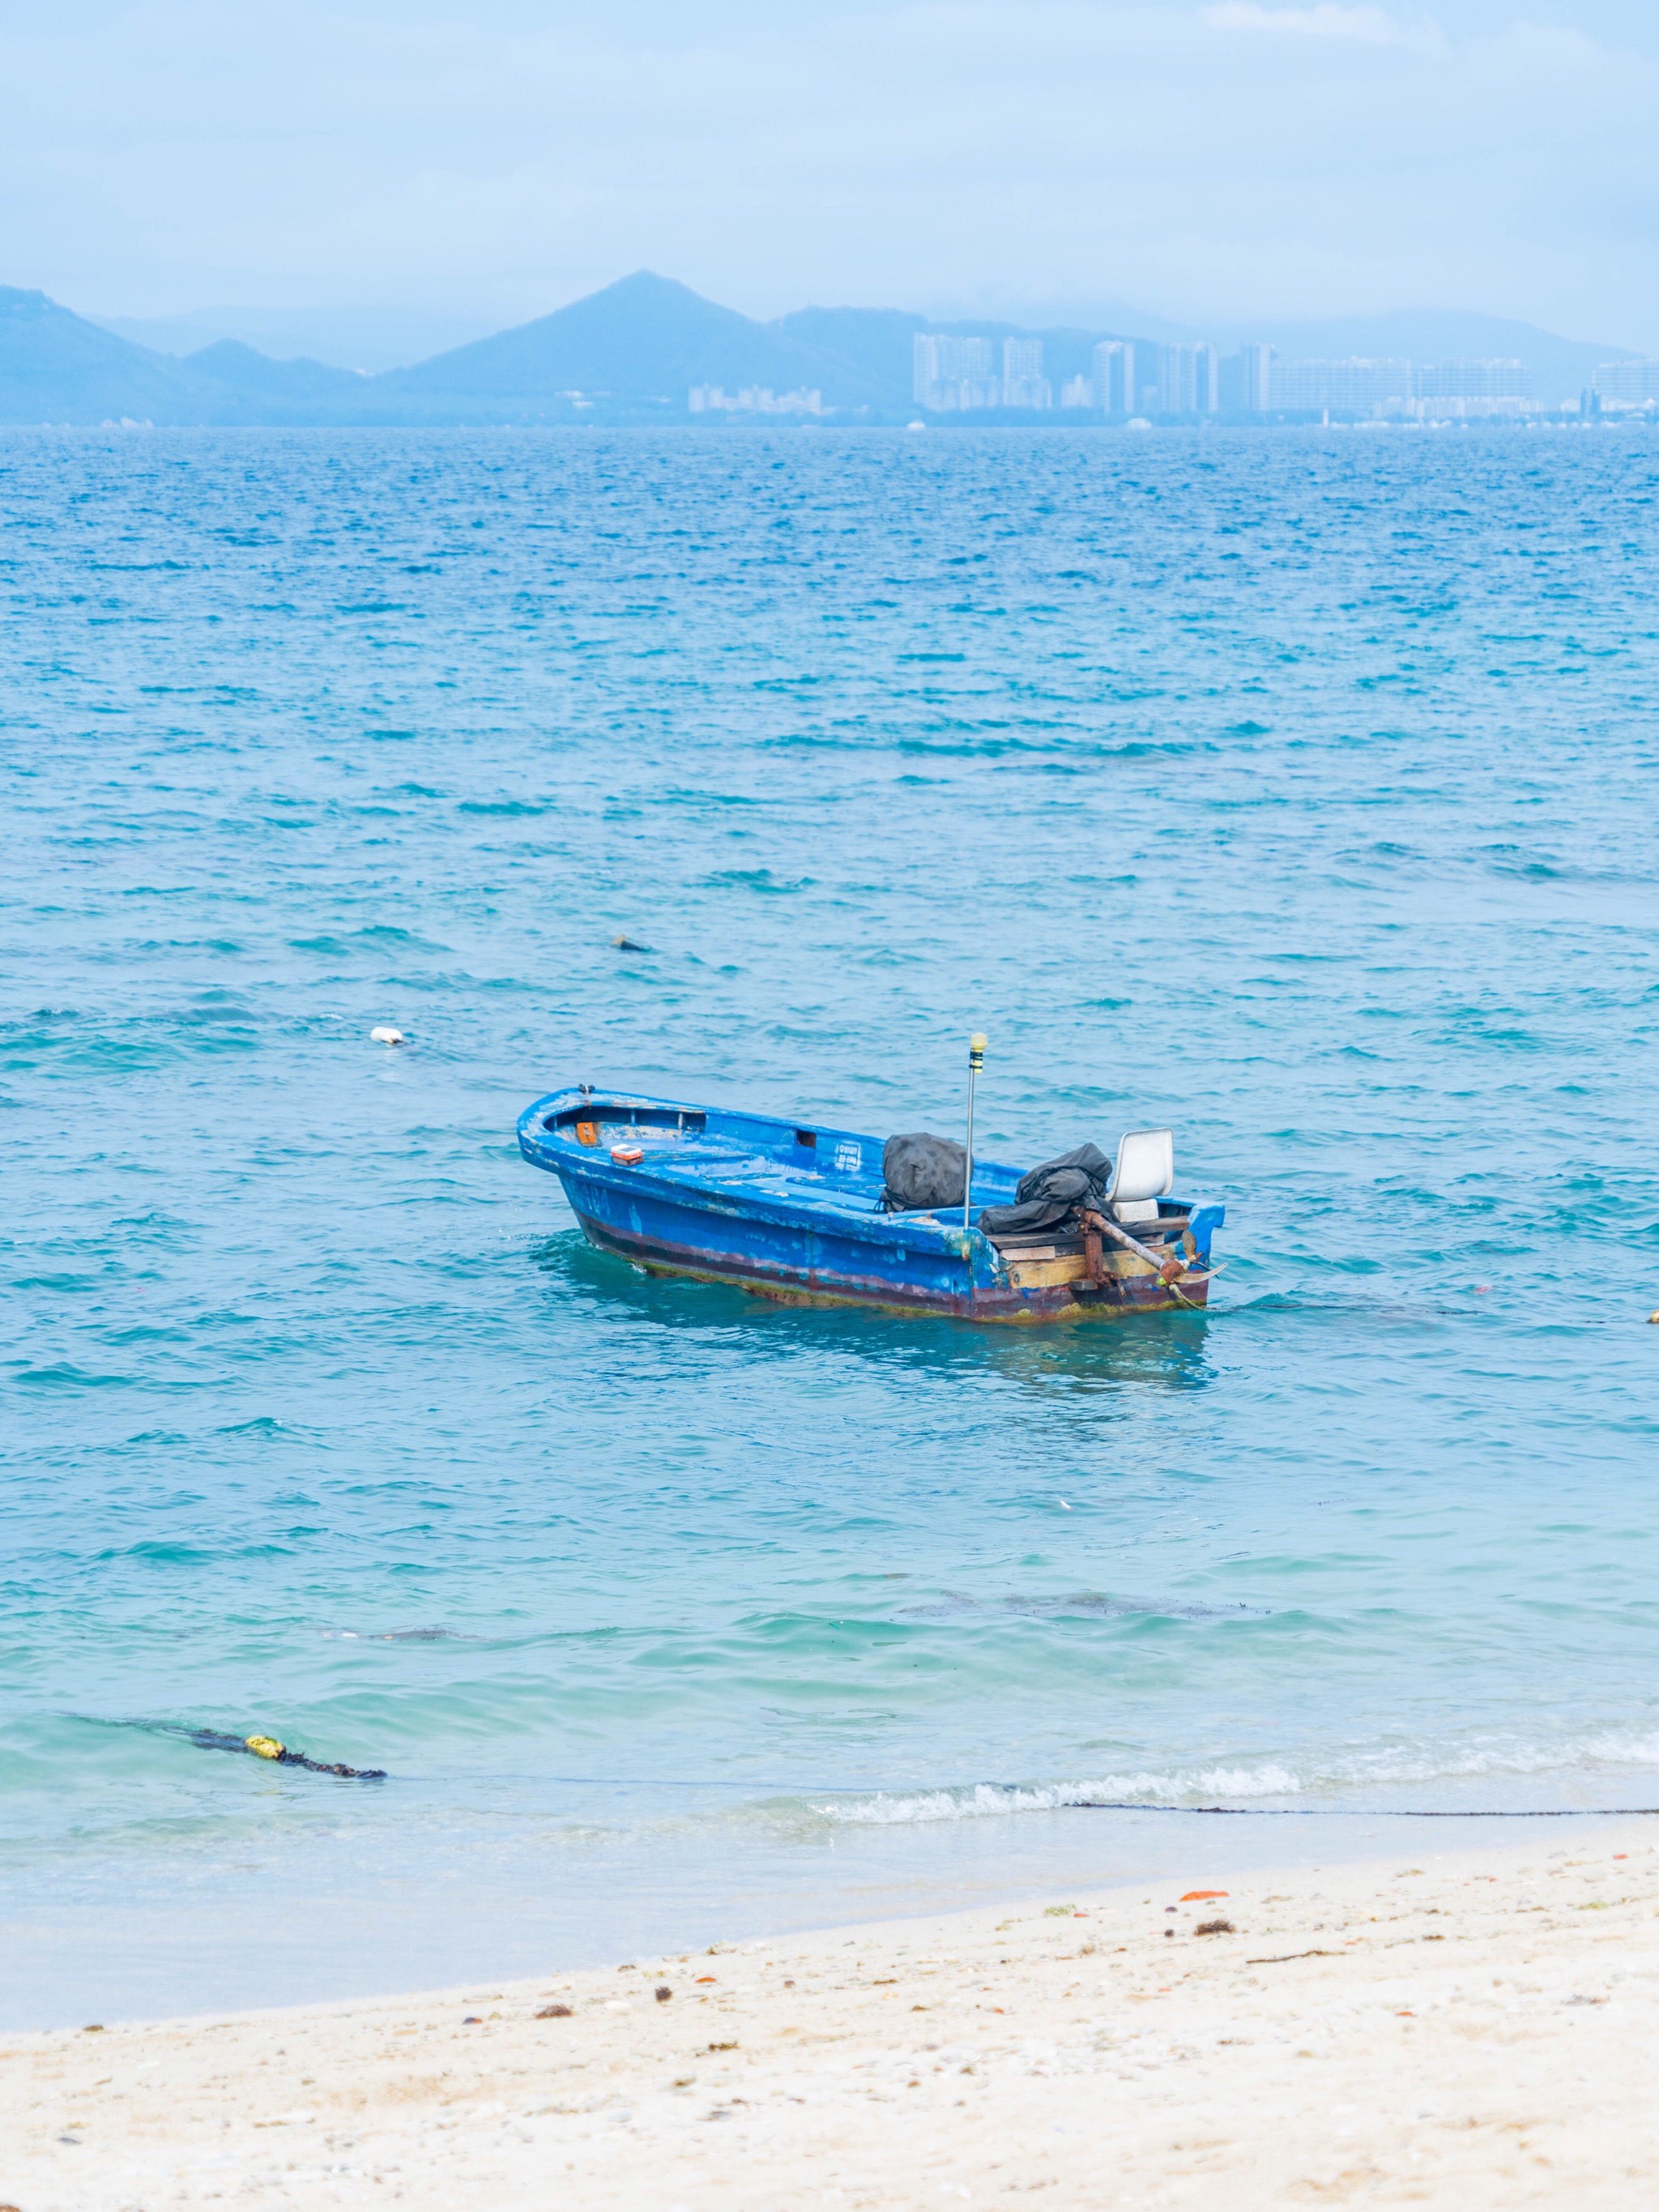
[
  {"x": 1080, "y": 1603},
  {"x": 205, "y": 1738},
  {"x": 214, "y": 1739}
]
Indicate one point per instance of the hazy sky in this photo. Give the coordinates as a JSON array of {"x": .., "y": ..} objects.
[{"x": 1225, "y": 158}]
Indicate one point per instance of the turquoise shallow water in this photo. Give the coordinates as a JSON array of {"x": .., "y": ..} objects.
[{"x": 1296, "y": 790}]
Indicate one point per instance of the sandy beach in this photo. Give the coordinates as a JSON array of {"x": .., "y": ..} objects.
[{"x": 1469, "y": 2029}]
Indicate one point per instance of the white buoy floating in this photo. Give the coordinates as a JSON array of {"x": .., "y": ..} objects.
[{"x": 385, "y": 1035}]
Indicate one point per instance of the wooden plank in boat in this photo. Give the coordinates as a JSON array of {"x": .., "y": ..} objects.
[
  {"x": 1017, "y": 1254},
  {"x": 1116, "y": 1262},
  {"x": 1044, "y": 1274}
]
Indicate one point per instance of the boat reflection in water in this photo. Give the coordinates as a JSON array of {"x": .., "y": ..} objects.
[{"x": 1173, "y": 1356}]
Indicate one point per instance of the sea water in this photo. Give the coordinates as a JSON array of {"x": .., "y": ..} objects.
[{"x": 1295, "y": 790}]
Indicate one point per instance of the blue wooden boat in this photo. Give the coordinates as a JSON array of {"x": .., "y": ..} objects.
[{"x": 792, "y": 1211}]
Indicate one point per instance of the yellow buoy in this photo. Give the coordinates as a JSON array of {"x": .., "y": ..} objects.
[{"x": 264, "y": 1747}]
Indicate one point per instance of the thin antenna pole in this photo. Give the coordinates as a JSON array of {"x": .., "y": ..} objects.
[{"x": 975, "y": 1061}]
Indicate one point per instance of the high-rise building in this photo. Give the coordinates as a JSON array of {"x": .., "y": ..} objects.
[
  {"x": 1626, "y": 383},
  {"x": 1356, "y": 386},
  {"x": 1023, "y": 384},
  {"x": 1114, "y": 365},
  {"x": 1078, "y": 392},
  {"x": 1461, "y": 389},
  {"x": 1206, "y": 379},
  {"x": 1247, "y": 380},
  {"x": 1474, "y": 379},
  {"x": 950, "y": 373},
  {"x": 1190, "y": 380},
  {"x": 1172, "y": 398}
]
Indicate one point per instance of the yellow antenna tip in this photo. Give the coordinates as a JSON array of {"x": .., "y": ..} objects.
[{"x": 978, "y": 1041}]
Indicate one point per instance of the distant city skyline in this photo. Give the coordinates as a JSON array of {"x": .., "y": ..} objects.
[
  {"x": 954, "y": 374},
  {"x": 1217, "y": 162}
]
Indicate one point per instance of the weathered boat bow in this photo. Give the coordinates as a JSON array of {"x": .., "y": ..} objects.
[{"x": 793, "y": 1211}]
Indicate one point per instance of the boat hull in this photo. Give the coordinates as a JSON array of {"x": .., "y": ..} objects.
[{"x": 1112, "y": 1299}]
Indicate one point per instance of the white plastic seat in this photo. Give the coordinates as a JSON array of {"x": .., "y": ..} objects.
[{"x": 1144, "y": 1174}]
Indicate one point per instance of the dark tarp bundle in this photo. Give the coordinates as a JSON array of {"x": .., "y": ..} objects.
[
  {"x": 1053, "y": 1195},
  {"x": 920, "y": 1171}
]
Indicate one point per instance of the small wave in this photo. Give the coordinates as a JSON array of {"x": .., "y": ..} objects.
[
  {"x": 1373, "y": 1774},
  {"x": 399, "y": 1635},
  {"x": 63, "y": 1375},
  {"x": 757, "y": 879},
  {"x": 982, "y": 1800}
]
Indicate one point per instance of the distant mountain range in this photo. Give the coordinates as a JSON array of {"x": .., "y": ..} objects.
[
  {"x": 629, "y": 353},
  {"x": 367, "y": 338}
]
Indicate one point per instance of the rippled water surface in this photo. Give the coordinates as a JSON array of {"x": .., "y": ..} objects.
[{"x": 1298, "y": 790}]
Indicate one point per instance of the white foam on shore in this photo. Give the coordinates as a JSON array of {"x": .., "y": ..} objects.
[
  {"x": 984, "y": 1800},
  {"x": 1371, "y": 1773}
]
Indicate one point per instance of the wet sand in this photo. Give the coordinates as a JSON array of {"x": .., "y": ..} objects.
[{"x": 1469, "y": 2029}]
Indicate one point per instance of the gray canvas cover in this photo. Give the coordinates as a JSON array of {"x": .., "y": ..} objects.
[
  {"x": 1053, "y": 1196},
  {"x": 920, "y": 1171}
]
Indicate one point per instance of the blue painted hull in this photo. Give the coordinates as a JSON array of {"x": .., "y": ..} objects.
[{"x": 791, "y": 1211}]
